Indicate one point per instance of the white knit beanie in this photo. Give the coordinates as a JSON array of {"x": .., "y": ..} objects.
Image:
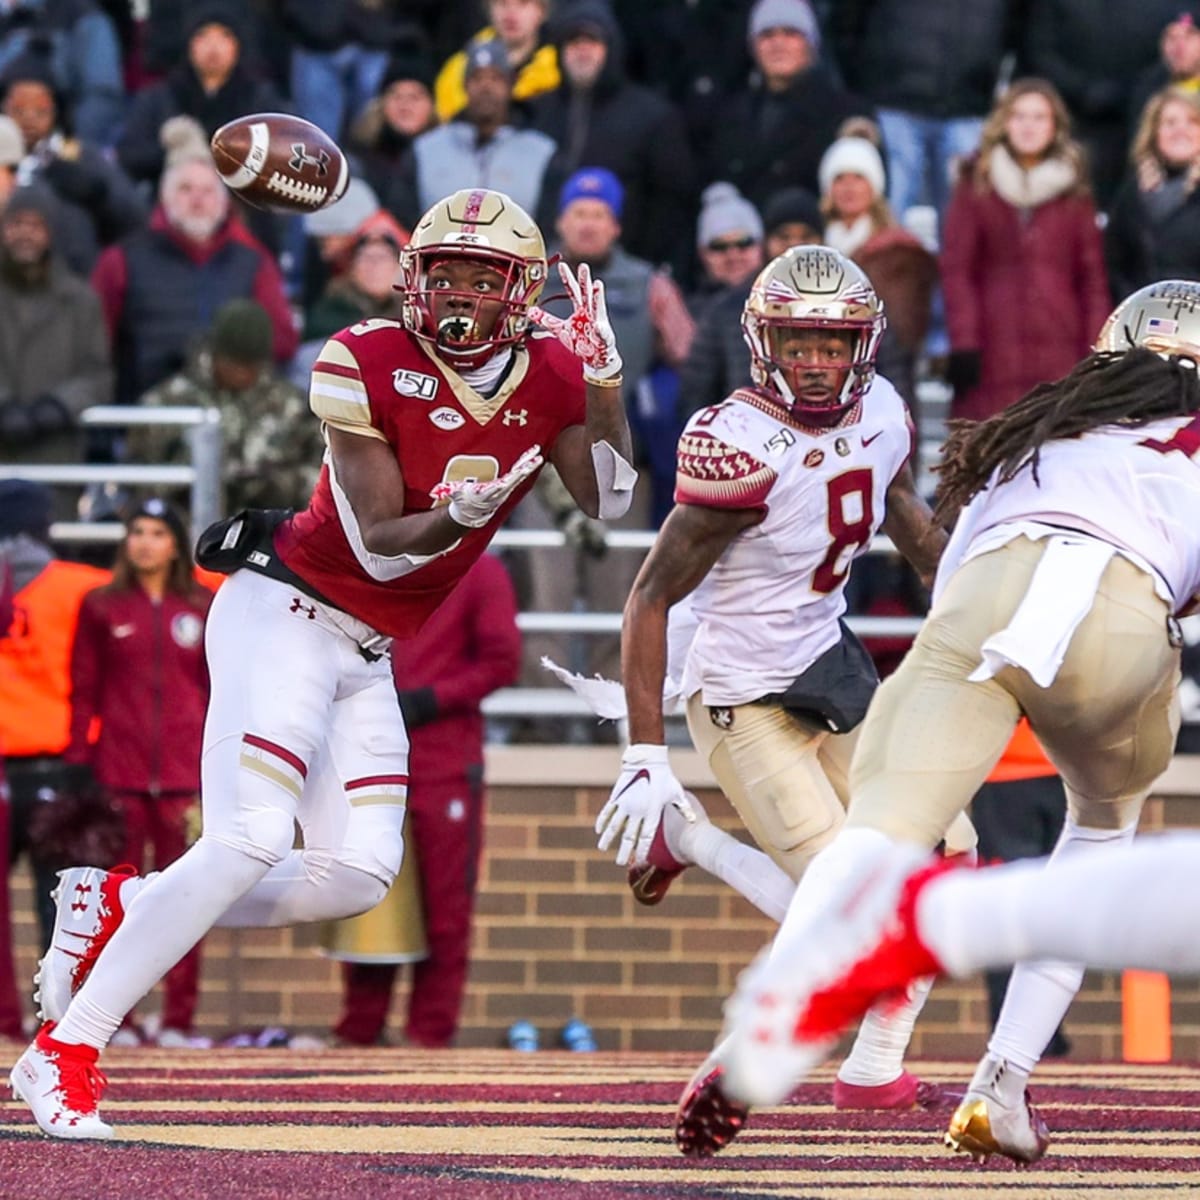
[{"x": 852, "y": 155}]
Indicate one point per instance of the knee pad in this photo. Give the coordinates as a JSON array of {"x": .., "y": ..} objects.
[
  {"x": 374, "y": 841},
  {"x": 266, "y": 834}
]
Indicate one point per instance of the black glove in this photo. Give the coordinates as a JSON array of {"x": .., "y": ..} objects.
[
  {"x": 963, "y": 369},
  {"x": 49, "y": 415},
  {"x": 17, "y": 426},
  {"x": 72, "y": 181},
  {"x": 418, "y": 706}
]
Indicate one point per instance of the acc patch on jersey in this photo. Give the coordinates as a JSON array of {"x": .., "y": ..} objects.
[{"x": 447, "y": 418}]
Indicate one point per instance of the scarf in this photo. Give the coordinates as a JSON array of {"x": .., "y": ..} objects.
[
  {"x": 1049, "y": 179},
  {"x": 848, "y": 239}
]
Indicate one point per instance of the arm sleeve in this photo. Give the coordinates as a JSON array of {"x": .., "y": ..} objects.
[
  {"x": 495, "y": 639},
  {"x": 85, "y": 682},
  {"x": 714, "y": 474}
]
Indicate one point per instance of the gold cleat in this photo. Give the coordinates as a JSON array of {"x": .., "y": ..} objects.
[{"x": 972, "y": 1131}]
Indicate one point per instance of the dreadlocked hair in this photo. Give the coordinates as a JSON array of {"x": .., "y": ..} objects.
[{"x": 1132, "y": 387}]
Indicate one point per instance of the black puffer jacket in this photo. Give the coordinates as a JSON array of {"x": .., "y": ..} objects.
[{"x": 936, "y": 58}]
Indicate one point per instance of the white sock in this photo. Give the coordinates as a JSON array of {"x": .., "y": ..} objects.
[
  {"x": 87, "y": 1024},
  {"x": 744, "y": 868},
  {"x": 129, "y": 889},
  {"x": 877, "y": 1056}
]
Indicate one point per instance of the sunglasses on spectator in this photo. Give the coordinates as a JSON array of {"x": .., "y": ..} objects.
[{"x": 742, "y": 243}]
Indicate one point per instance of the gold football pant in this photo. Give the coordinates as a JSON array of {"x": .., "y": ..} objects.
[
  {"x": 786, "y": 777},
  {"x": 1107, "y": 721}
]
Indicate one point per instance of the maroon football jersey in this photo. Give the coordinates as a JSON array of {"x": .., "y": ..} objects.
[{"x": 377, "y": 380}]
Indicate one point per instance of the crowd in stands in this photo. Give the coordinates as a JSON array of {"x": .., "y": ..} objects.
[{"x": 1000, "y": 170}]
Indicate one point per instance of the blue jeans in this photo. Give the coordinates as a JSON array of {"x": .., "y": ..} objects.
[
  {"x": 330, "y": 88},
  {"x": 921, "y": 152}
]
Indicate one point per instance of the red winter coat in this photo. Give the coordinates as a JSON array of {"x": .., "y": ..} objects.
[
  {"x": 139, "y": 668},
  {"x": 467, "y": 649},
  {"x": 1029, "y": 294}
]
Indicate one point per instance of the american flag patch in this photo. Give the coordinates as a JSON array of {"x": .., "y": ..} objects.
[{"x": 1162, "y": 325}]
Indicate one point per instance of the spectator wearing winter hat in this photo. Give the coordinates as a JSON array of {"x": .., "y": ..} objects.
[
  {"x": 272, "y": 449},
  {"x": 97, "y": 200},
  {"x": 860, "y": 224},
  {"x": 54, "y": 355},
  {"x": 774, "y": 131},
  {"x": 791, "y": 217},
  {"x": 518, "y": 26},
  {"x": 729, "y": 235},
  {"x": 599, "y": 117},
  {"x": 365, "y": 289},
  {"x": 479, "y": 148},
  {"x": 160, "y": 286},
  {"x": 729, "y": 238},
  {"x": 213, "y": 84},
  {"x": 403, "y": 110}
]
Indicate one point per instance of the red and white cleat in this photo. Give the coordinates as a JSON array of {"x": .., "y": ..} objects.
[
  {"x": 707, "y": 1119},
  {"x": 789, "y": 1009},
  {"x": 903, "y": 1093},
  {"x": 62, "y": 1086},
  {"x": 88, "y": 912}
]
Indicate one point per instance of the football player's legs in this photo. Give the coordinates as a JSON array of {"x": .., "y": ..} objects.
[
  {"x": 272, "y": 681},
  {"x": 767, "y": 762},
  {"x": 351, "y": 814},
  {"x": 931, "y": 736},
  {"x": 1110, "y": 719},
  {"x": 1109, "y": 722}
]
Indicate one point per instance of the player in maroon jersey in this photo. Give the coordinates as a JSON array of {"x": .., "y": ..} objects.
[{"x": 436, "y": 426}]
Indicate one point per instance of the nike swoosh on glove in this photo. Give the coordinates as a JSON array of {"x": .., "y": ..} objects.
[
  {"x": 474, "y": 503},
  {"x": 644, "y": 788},
  {"x": 587, "y": 332}
]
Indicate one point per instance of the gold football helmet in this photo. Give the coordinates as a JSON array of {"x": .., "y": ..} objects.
[
  {"x": 478, "y": 225},
  {"x": 1163, "y": 317},
  {"x": 812, "y": 287}
]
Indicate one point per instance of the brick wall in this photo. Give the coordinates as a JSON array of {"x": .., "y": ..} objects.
[{"x": 559, "y": 934}]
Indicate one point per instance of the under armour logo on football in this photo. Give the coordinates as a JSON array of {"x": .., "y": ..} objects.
[
  {"x": 298, "y": 605},
  {"x": 80, "y": 903},
  {"x": 302, "y": 158},
  {"x": 520, "y": 417}
]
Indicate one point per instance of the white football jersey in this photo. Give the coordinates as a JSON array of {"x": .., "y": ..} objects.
[
  {"x": 770, "y": 605},
  {"x": 1137, "y": 488}
]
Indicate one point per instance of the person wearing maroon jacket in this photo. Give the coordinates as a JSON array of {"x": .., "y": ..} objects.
[
  {"x": 138, "y": 670},
  {"x": 470, "y": 647}
]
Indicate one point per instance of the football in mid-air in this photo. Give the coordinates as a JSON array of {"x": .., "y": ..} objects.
[{"x": 281, "y": 162}]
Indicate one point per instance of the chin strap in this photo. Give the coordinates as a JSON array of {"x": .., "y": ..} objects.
[{"x": 615, "y": 479}]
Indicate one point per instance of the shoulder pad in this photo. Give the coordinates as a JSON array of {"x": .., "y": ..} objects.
[{"x": 715, "y": 474}]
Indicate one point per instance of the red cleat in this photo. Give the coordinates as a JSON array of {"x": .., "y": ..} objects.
[
  {"x": 707, "y": 1119},
  {"x": 650, "y": 881}
]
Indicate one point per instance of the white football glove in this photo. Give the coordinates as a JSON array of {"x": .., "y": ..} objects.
[
  {"x": 587, "y": 332},
  {"x": 635, "y": 807},
  {"x": 474, "y": 503}
]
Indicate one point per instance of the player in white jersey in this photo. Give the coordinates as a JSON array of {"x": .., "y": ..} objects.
[
  {"x": 778, "y": 489},
  {"x": 1058, "y": 598}
]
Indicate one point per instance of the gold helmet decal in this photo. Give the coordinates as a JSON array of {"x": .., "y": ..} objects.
[
  {"x": 813, "y": 287},
  {"x": 1163, "y": 317},
  {"x": 478, "y": 225}
]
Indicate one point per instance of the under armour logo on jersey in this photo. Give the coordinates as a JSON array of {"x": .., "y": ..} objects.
[
  {"x": 521, "y": 417},
  {"x": 302, "y": 158},
  {"x": 298, "y": 605},
  {"x": 80, "y": 903}
]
